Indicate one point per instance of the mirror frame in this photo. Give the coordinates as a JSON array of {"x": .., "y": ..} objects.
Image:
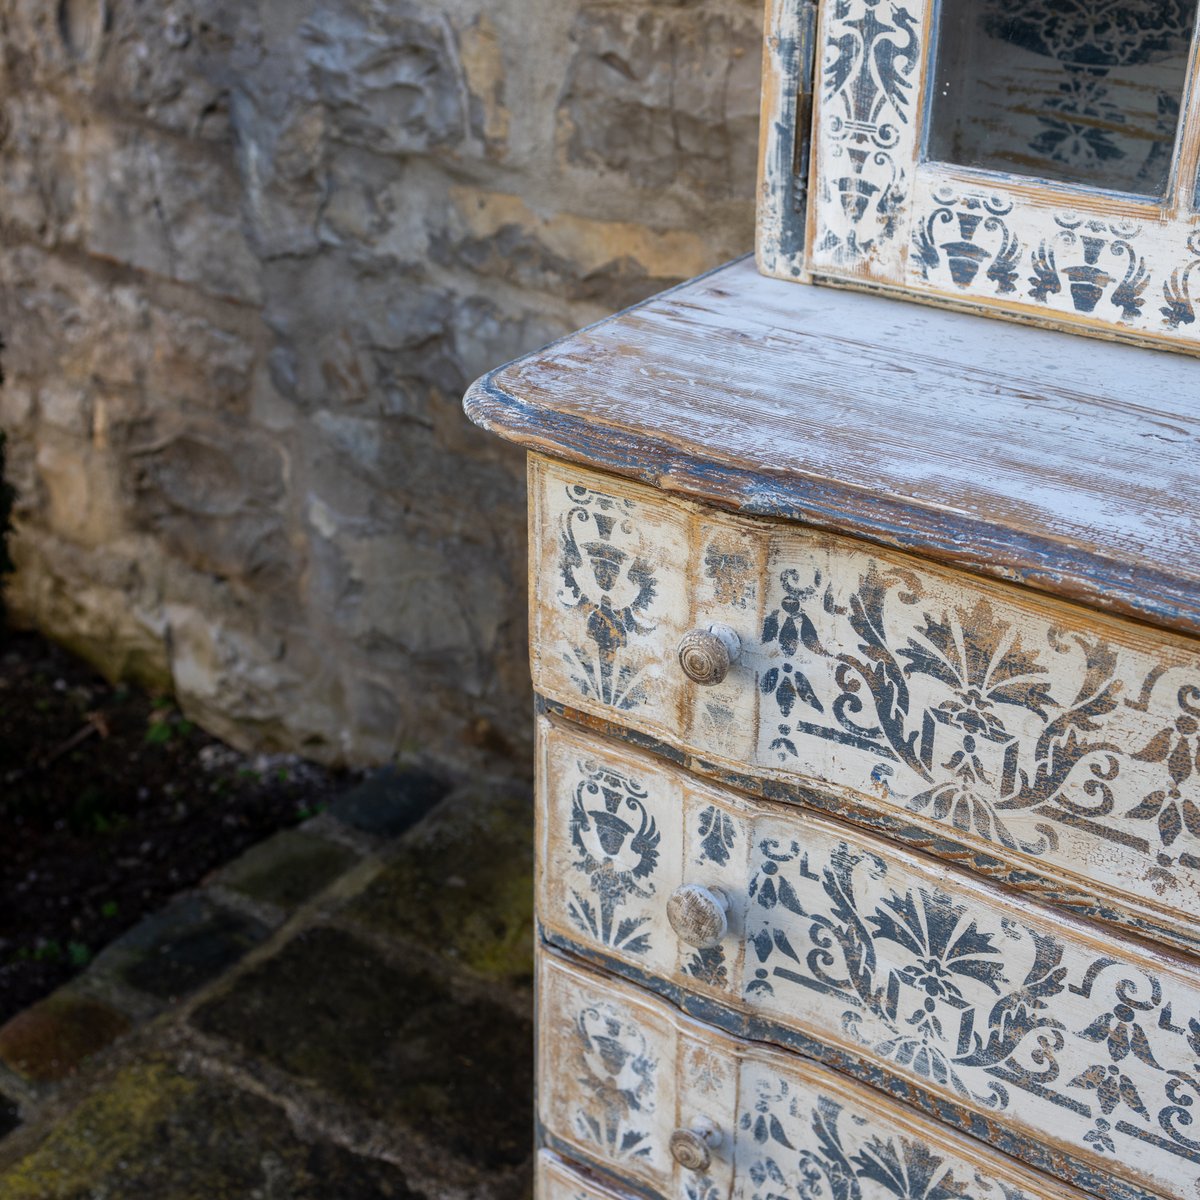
[{"x": 872, "y": 213}]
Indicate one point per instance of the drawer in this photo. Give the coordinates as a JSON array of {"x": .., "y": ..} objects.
[
  {"x": 1045, "y": 744},
  {"x": 555, "y": 1179},
  {"x": 633, "y": 1086},
  {"x": 1054, "y": 1039}
]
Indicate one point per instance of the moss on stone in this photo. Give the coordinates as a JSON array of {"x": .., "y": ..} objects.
[
  {"x": 463, "y": 885},
  {"x": 153, "y": 1131},
  {"x": 396, "y": 1043},
  {"x": 287, "y": 869},
  {"x": 104, "y": 1132}
]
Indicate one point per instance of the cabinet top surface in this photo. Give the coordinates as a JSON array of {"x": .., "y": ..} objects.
[{"x": 1068, "y": 464}]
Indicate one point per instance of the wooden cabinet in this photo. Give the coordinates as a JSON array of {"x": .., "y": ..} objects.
[
  {"x": 987, "y": 1011},
  {"x": 866, "y": 643},
  {"x": 866, "y": 640}
]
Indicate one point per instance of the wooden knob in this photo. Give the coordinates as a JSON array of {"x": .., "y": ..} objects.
[
  {"x": 692, "y": 1148},
  {"x": 707, "y": 654},
  {"x": 698, "y": 914}
]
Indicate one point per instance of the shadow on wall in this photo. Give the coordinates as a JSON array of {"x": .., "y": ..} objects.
[{"x": 252, "y": 255}]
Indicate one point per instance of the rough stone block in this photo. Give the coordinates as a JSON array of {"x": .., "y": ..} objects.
[
  {"x": 214, "y": 494},
  {"x": 88, "y": 601},
  {"x": 64, "y": 323},
  {"x": 287, "y": 869},
  {"x": 166, "y": 208},
  {"x": 156, "y": 1131},
  {"x": 665, "y": 97},
  {"x": 39, "y": 167},
  {"x": 83, "y": 495},
  {"x": 386, "y": 74},
  {"x": 609, "y": 263},
  {"x": 177, "y": 950},
  {"x": 192, "y": 361},
  {"x": 49, "y": 1041},
  {"x": 397, "y": 1043},
  {"x": 482, "y": 56},
  {"x": 462, "y": 885},
  {"x": 169, "y": 64},
  {"x": 390, "y": 801}
]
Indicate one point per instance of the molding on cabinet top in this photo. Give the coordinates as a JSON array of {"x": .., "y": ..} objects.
[{"x": 1066, "y": 464}]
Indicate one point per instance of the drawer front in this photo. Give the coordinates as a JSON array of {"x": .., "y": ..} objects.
[
  {"x": 1025, "y": 1026},
  {"x": 555, "y": 1179},
  {"x": 1057, "y": 748},
  {"x": 620, "y": 1072}
]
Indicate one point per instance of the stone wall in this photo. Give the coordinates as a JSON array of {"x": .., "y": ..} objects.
[{"x": 252, "y": 252}]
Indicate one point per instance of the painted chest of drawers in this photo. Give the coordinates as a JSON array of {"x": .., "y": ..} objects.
[{"x": 866, "y": 645}]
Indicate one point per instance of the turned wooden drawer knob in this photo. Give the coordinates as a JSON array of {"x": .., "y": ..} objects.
[
  {"x": 692, "y": 1148},
  {"x": 698, "y": 914},
  {"x": 707, "y": 654}
]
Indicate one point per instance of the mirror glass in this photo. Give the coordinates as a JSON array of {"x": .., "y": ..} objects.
[{"x": 1075, "y": 91}]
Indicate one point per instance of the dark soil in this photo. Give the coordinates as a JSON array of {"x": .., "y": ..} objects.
[{"x": 110, "y": 802}]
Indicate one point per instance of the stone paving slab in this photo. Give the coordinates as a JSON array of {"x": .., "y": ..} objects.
[
  {"x": 193, "y": 940},
  {"x": 461, "y": 885},
  {"x": 340, "y": 1013},
  {"x": 52, "y": 1039},
  {"x": 157, "y": 1131},
  {"x": 390, "y": 801},
  {"x": 287, "y": 869},
  {"x": 396, "y": 1041}
]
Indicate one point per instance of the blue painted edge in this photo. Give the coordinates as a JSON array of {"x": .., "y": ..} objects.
[{"x": 748, "y": 1027}]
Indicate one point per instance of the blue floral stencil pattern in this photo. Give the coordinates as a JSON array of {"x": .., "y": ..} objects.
[
  {"x": 785, "y": 1130},
  {"x": 617, "y": 1079},
  {"x": 974, "y": 1002},
  {"x": 1010, "y": 732},
  {"x": 616, "y": 841},
  {"x": 811, "y": 1146},
  {"x": 872, "y": 52},
  {"x": 612, "y": 587}
]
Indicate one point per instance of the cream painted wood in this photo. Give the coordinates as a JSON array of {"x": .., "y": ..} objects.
[
  {"x": 880, "y": 215},
  {"x": 977, "y": 717},
  {"x": 784, "y": 143},
  {"x": 1017, "y": 453},
  {"x": 620, "y": 1073},
  {"x": 877, "y": 958},
  {"x": 556, "y": 1179}
]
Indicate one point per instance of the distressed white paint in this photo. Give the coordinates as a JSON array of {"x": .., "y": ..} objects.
[
  {"x": 555, "y": 1179},
  {"x": 924, "y": 972},
  {"x": 789, "y": 32},
  {"x": 1069, "y": 464},
  {"x": 1053, "y": 739},
  {"x": 619, "y": 1072},
  {"x": 879, "y": 214}
]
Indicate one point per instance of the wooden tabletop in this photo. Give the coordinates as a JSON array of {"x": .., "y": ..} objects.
[{"x": 1061, "y": 462}]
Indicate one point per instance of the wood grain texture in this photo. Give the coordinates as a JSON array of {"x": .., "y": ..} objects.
[
  {"x": 1059, "y": 742},
  {"x": 558, "y": 1179},
  {"x": 1064, "y": 464},
  {"x": 784, "y": 141},
  {"x": 619, "y": 1072},
  {"x": 1076, "y": 1052}
]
